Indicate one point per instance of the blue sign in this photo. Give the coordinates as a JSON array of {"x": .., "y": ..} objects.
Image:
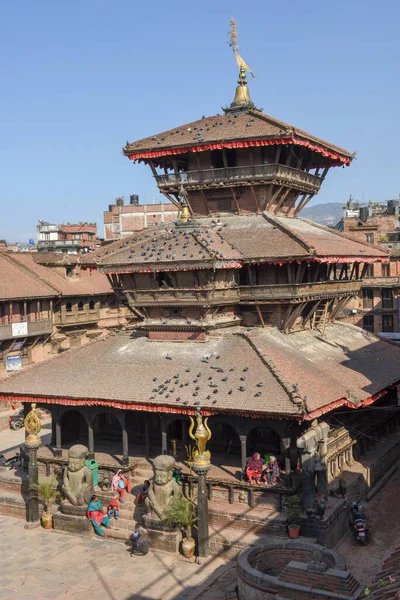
[
  {"x": 31, "y": 242},
  {"x": 14, "y": 363}
]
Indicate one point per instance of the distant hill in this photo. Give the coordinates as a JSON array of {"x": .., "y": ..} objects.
[{"x": 326, "y": 214}]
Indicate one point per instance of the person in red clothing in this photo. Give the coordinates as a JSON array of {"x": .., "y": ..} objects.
[
  {"x": 120, "y": 484},
  {"x": 113, "y": 509},
  {"x": 254, "y": 468}
]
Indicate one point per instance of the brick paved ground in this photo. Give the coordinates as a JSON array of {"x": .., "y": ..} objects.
[{"x": 43, "y": 565}]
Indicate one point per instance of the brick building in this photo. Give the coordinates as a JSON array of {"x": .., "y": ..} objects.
[
  {"x": 377, "y": 306},
  {"x": 69, "y": 239},
  {"x": 49, "y": 304},
  {"x": 121, "y": 221}
]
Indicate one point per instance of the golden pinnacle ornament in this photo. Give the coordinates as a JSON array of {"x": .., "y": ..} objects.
[
  {"x": 32, "y": 426},
  {"x": 202, "y": 435}
]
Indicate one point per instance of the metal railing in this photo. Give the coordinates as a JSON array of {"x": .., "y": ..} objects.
[{"x": 237, "y": 174}]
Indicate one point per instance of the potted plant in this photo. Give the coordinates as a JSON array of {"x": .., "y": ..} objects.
[
  {"x": 47, "y": 491},
  {"x": 293, "y": 507},
  {"x": 181, "y": 513}
]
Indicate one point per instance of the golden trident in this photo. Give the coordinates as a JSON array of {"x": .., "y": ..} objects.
[{"x": 202, "y": 435}]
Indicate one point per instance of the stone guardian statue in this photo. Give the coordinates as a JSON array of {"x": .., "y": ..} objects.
[
  {"x": 162, "y": 487},
  {"x": 77, "y": 484}
]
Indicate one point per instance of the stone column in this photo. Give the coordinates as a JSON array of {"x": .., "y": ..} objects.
[
  {"x": 125, "y": 449},
  {"x": 53, "y": 431},
  {"x": 32, "y": 512},
  {"x": 202, "y": 510},
  {"x": 90, "y": 441},
  {"x": 285, "y": 449},
  {"x": 243, "y": 451},
  {"x": 164, "y": 443},
  {"x": 58, "y": 438}
]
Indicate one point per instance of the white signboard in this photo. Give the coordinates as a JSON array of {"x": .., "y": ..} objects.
[{"x": 19, "y": 329}]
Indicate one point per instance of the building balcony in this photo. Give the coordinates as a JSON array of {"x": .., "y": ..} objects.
[
  {"x": 294, "y": 292},
  {"x": 299, "y": 292},
  {"x": 70, "y": 319},
  {"x": 381, "y": 282},
  {"x": 247, "y": 175},
  {"x": 66, "y": 243},
  {"x": 183, "y": 296},
  {"x": 24, "y": 329}
]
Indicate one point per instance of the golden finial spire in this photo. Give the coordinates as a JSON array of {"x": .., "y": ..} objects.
[{"x": 242, "y": 96}]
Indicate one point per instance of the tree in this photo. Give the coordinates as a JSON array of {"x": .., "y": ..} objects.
[{"x": 119, "y": 201}]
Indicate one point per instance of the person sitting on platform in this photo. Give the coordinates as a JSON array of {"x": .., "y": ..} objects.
[
  {"x": 140, "y": 546},
  {"x": 113, "y": 509},
  {"x": 254, "y": 468},
  {"x": 144, "y": 492},
  {"x": 272, "y": 471},
  {"x": 96, "y": 514},
  {"x": 120, "y": 484}
]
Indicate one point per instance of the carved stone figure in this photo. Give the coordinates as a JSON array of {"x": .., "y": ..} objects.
[
  {"x": 162, "y": 487},
  {"x": 78, "y": 479}
]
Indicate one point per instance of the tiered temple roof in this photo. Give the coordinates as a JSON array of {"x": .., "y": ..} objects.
[
  {"x": 243, "y": 130},
  {"x": 260, "y": 373},
  {"x": 231, "y": 241}
]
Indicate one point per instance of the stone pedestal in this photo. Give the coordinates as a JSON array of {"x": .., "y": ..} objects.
[
  {"x": 202, "y": 510},
  {"x": 160, "y": 537},
  {"x": 73, "y": 519}
]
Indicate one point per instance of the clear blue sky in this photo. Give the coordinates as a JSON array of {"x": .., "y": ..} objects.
[{"x": 79, "y": 78}]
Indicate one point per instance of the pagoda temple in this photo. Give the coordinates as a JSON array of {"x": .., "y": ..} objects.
[{"x": 235, "y": 302}]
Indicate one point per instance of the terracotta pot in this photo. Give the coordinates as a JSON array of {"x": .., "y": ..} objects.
[
  {"x": 188, "y": 547},
  {"x": 47, "y": 521},
  {"x": 294, "y": 531}
]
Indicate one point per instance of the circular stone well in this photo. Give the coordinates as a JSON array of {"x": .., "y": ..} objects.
[{"x": 263, "y": 570}]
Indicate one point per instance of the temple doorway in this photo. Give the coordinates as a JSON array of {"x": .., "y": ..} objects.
[
  {"x": 107, "y": 432},
  {"x": 73, "y": 427},
  {"x": 225, "y": 441},
  {"x": 263, "y": 440},
  {"x": 178, "y": 436}
]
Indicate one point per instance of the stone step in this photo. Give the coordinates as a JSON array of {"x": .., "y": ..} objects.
[
  {"x": 259, "y": 519},
  {"x": 229, "y": 542},
  {"x": 122, "y": 523},
  {"x": 13, "y": 481},
  {"x": 117, "y": 534},
  {"x": 13, "y": 504},
  {"x": 141, "y": 473}
]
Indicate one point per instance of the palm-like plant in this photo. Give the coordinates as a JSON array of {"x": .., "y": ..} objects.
[
  {"x": 181, "y": 513},
  {"x": 47, "y": 491}
]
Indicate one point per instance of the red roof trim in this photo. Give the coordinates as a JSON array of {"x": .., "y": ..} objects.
[
  {"x": 343, "y": 402},
  {"x": 136, "y": 406},
  {"x": 341, "y": 160}
]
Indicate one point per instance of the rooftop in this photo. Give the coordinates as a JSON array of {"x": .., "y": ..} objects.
[
  {"x": 23, "y": 275},
  {"x": 228, "y": 241},
  {"x": 251, "y": 128},
  {"x": 259, "y": 373}
]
